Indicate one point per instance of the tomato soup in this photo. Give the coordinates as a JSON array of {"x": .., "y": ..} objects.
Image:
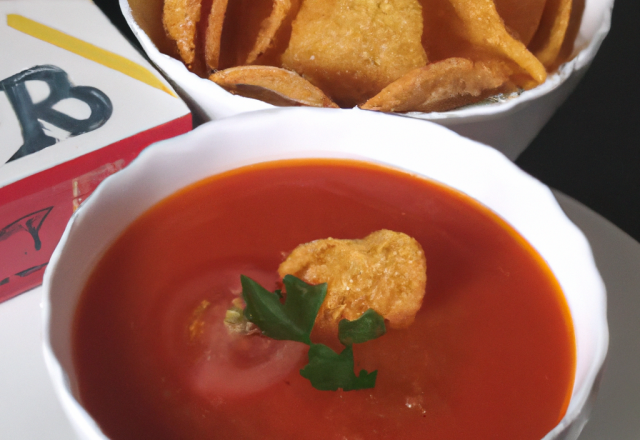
[{"x": 491, "y": 354}]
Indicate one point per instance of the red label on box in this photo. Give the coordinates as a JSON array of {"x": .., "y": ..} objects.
[
  {"x": 77, "y": 104},
  {"x": 34, "y": 211}
]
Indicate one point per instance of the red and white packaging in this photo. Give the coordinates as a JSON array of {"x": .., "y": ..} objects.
[{"x": 77, "y": 104}]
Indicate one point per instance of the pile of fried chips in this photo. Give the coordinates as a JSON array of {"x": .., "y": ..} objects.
[{"x": 385, "y": 55}]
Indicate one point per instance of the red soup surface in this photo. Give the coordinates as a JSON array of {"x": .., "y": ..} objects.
[{"x": 491, "y": 354}]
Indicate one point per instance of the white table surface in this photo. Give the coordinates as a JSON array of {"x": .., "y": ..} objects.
[{"x": 29, "y": 409}]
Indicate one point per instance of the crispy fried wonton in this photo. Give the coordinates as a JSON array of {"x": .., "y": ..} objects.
[
  {"x": 180, "y": 19},
  {"x": 385, "y": 271},
  {"x": 521, "y": 18},
  {"x": 442, "y": 86},
  {"x": 214, "y": 32},
  {"x": 351, "y": 49},
  {"x": 268, "y": 29},
  {"x": 271, "y": 84},
  {"x": 485, "y": 28},
  {"x": 548, "y": 40}
]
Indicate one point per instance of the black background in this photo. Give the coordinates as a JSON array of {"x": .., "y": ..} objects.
[{"x": 590, "y": 149}]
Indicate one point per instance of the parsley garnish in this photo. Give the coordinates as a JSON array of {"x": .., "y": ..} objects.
[
  {"x": 328, "y": 370},
  {"x": 367, "y": 327},
  {"x": 293, "y": 320}
]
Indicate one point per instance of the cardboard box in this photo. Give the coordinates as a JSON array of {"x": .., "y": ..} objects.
[{"x": 77, "y": 103}]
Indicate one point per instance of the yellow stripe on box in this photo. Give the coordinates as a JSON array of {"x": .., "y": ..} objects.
[{"x": 86, "y": 50}]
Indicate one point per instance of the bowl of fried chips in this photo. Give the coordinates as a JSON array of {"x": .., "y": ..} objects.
[{"x": 491, "y": 70}]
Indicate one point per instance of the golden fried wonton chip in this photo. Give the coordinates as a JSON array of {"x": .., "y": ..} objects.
[
  {"x": 442, "y": 86},
  {"x": 485, "y": 28},
  {"x": 273, "y": 55},
  {"x": 521, "y": 17},
  {"x": 568, "y": 45},
  {"x": 548, "y": 40},
  {"x": 214, "y": 33},
  {"x": 385, "y": 271},
  {"x": 271, "y": 84},
  {"x": 268, "y": 29},
  {"x": 180, "y": 19},
  {"x": 352, "y": 49}
]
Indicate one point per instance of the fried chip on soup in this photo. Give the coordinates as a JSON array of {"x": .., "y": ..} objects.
[
  {"x": 442, "y": 86},
  {"x": 385, "y": 271},
  {"x": 268, "y": 29},
  {"x": 351, "y": 49},
  {"x": 485, "y": 28},
  {"x": 272, "y": 84},
  {"x": 180, "y": 19},
  {"x": 548, "y": 40},
  {"x": 214, "y": 32}
]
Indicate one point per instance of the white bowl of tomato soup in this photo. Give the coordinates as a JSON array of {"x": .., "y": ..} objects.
[
  {"x": 508, "y": 124},
  {"x": 509, "y": 341}
]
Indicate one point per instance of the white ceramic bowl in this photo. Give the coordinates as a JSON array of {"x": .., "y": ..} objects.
[
  {"x": 508, "y": 126},
  {"x": 419, "y": 147}
]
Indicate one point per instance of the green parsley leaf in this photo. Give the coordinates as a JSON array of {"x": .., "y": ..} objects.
[
  {"x": 329, "y": 371},
  {"x": 292, "y": 320},
  {"x": 367, "y": 327}
]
